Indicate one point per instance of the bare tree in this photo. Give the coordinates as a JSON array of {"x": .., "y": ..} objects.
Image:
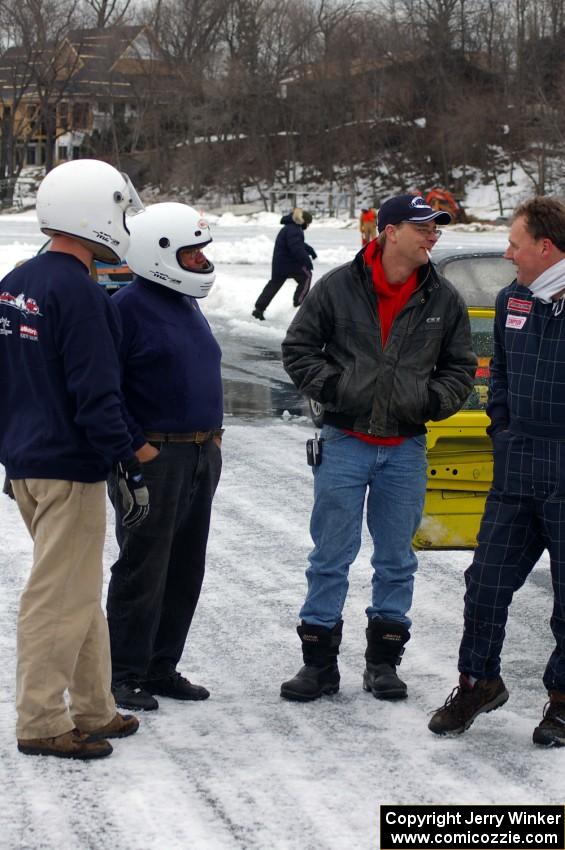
[
  {"x": 107, "y": 12},
  {"x": 40, "y": 64}
]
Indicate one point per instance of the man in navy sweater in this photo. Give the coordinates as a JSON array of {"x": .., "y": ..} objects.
[
  {"x": 173, "y": 393},
  {"x": 61, "y": 430},
  {"x": 525, "y": 508}
]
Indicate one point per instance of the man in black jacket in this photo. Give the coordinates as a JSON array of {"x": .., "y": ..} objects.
[
  {"x": 384, "y": 343},
  {"x": 292, "y": 257}
]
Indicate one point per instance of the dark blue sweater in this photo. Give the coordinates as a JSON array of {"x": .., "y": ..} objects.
[
  {"x": 171, "y": 362},
  {"x": 62, "y": 413}
]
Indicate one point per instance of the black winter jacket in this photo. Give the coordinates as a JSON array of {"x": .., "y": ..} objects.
[
  {"x": 333, "y": 353},
  {"x": 291, "y": 254}
]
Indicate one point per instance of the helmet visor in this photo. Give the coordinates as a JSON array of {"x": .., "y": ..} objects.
[
  {"x": 192, "y": 259},
  {"x": 128, "y": 200}
]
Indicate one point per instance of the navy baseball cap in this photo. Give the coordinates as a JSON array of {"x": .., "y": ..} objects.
[{"x": 409, "y": 208}]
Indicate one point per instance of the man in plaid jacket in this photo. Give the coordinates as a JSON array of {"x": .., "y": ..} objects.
[{"x": 525, "y": 508}]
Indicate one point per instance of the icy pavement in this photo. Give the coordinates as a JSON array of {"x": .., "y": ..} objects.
[{"x": 245, "y": 770}]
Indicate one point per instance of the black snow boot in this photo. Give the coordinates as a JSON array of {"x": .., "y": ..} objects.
[
  {"x": 320, "y": 674},
  {"x": 385, "y": 647}
]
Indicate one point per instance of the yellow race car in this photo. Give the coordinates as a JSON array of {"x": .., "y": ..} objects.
[{"x": 459, "y": 450}]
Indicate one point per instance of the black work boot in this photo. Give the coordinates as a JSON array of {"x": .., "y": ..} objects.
[
  {"x": 320, "y": 674},
  {"x": 385, "y": 647}
]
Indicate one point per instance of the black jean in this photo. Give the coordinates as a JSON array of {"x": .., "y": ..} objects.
[
  {"x": 302, "y": 279},
  {"x": 156, "y": 581}
]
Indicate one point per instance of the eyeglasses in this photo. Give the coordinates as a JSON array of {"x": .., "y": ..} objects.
[{"x": 429, "y": 232}]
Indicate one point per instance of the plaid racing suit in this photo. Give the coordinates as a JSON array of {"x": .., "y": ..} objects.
[{"x": 525, "y": 508}]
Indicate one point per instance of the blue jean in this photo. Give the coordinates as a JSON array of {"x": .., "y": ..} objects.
[{"x": 395, "y": 477}]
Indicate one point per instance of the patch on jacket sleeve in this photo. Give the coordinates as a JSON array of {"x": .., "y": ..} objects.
[
  {"x": 516, "y": 322},
  {"x": 519, "y": 305}
]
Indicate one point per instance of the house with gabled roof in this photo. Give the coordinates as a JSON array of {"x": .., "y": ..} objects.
[{"x": 55, "y": 97}]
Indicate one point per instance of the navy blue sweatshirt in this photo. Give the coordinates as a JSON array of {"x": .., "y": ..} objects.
[
  {"x": 170, "y": 362},
  {"x": 62, "y": 411}
]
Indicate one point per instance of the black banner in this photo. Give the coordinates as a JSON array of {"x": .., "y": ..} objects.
[{"x": 472, "y": 827}]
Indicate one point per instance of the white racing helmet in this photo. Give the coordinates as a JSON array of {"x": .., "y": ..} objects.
[
  {"x": 89, "y": 199},
  {"x": 160, "y": 240}
]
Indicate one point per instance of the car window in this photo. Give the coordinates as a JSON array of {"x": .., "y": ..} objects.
[
  {"x": 478, "y": 278},
  {"x": 482, "y": 333}
]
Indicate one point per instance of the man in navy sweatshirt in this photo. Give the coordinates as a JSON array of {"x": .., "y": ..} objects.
[
  {"x": 173, "y": 393},
  {"x": 61, "y": 431}
]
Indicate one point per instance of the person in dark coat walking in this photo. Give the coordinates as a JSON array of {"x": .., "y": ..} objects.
[{"x": 292, "y": 257}]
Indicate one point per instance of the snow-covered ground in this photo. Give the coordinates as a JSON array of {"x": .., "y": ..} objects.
[{"x": 245, "y": 770}]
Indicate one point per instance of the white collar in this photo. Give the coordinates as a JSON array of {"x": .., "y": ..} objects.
[{"x": 549, "y": 283}]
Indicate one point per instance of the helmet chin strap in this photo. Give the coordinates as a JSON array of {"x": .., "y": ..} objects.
[{"x": 99, "y": 252}]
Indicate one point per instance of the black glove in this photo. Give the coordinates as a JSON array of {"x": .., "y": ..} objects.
[
  {"x": 133, "y": 492},
  {"x": 7, "y": 488}
]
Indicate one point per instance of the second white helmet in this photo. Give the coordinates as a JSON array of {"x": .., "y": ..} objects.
[
  {"x": 89, "y": 199},
  {"x": 166, "y": 247}
]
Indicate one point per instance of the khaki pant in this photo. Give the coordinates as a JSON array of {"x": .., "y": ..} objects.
[{"x": 62, "y": 632}]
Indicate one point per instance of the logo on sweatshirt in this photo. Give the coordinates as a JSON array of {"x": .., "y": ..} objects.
[
  {"x": 27, "y": 306},
  {"x": 4, "y": 326},
  {"x": 29, "y": 333}
]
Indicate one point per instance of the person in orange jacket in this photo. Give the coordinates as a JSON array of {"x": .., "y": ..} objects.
[{"x": 367, "y": 224}]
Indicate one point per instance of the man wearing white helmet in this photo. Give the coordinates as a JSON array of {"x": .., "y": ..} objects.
[
  {"x": 61, "y": 431},
  {"x": 173, "y": 394}
]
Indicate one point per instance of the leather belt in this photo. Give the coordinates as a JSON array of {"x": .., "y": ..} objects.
[{"x": 195, "y": 437}]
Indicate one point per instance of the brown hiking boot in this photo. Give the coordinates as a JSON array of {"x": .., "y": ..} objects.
[
  {"x": 465, "y": 703},
  {"x": 70, "y": 745},
  {"x": 121, "y": 726},
  {"x": 551, "y": 731}
]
